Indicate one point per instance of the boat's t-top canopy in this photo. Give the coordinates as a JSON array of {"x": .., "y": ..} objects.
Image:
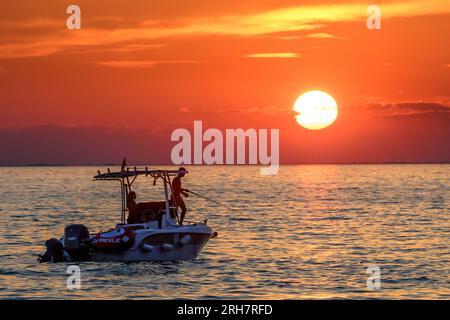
[
  {"x": 134, "y": 172},
  {"x": 127, "y": 175}
]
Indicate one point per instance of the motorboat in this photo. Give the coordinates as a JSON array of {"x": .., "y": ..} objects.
[{"x": 156, "y": 236}]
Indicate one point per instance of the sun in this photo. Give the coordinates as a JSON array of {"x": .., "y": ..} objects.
[{"x": 316, "y": 110}]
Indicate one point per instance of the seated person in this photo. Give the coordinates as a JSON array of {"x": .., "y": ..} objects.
[{"x": 134, "y": 216}]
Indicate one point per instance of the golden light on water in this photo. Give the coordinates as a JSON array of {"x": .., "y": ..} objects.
[{"x": 316, "y": 110}]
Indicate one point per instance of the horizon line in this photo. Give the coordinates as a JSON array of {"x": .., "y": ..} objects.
[{"x": 34, "y": 165}]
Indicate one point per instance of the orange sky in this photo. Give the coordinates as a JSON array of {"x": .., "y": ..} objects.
[{"x": 159, "y": 65}]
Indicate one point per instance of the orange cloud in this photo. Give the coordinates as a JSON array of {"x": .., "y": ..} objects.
[
  {"x": 321, "y": 36},
  {"x": 403, "y": 109},
  {"x": 284, "y": 55},
  {"x": 137, "y": 47},
  {"x": 307, "y": 17},
  {"x": 139, "y": 63}
]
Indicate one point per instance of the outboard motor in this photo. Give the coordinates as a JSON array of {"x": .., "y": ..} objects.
[
  {"x": 77, "y": 242},
  {"x": 54, "y": 253}
]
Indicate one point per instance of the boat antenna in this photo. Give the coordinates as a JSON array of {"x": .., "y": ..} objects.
[{"x": 221, "y": 204}]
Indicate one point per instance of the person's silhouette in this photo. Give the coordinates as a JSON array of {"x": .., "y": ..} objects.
[{"x": 177, "y": 191}]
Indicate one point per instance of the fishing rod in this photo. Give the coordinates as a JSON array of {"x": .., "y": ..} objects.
[{"x": 221, "y": 204}]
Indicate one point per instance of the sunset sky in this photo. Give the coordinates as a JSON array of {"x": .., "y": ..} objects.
[{"x": 137, "y": 70}]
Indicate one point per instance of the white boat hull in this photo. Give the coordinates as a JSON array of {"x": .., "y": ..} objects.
[{"x": 177, "y": 243}]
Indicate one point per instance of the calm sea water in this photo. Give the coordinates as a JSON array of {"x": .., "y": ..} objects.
[{"x": 309, "y": 232}]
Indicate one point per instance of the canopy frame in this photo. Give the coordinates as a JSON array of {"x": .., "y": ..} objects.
[{"x": 127, "y": 176}]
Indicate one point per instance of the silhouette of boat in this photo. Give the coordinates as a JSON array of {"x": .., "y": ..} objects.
[{"x": 157, "y": 237}]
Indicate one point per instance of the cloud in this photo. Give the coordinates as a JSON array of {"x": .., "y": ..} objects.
[
  {"x": 289, "y": 37},
  {"x": 267, "y": 110},
  {"x": 318, "y": 35},
  {"x": 278, "y": 55},
  {"x": 137, "y": 47},
  {"x": 133, "y": 64},
  {"x": 322, "y": 36},
  {"x": 419, "y": 107},
  {"x": 306, "y": 17},
  {"x": 404, "y": 109},
  {"x": 127, "y": 64}
]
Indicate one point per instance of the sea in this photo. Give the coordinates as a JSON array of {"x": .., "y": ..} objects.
[{"x": 308, "y": 232}]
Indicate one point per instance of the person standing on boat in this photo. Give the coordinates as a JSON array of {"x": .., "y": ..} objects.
[{"x": 177, "y": 191}]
